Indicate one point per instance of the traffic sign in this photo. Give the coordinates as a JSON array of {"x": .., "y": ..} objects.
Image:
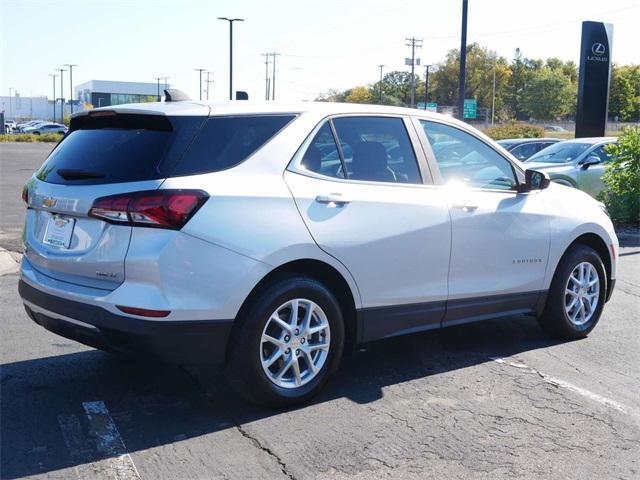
[
  {"x": 470, "y": 108},
  {"x": 429, "y": 106}
]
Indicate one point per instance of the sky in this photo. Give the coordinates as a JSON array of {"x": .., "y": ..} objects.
[{"x": 328, "y": 44}]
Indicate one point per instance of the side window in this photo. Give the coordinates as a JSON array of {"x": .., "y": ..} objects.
[
  {"x": 524, "y": 151},
  {"x": 377, "y": 149},
  {"x": 322, "y": 155},
  {"x": 604, "y": 156},
  {"x": 464, "y": 158}
]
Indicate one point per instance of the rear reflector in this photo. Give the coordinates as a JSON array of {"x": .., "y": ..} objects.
[
  {"x": 143, "y": 312},
  {"x": 170, "y": 209}
]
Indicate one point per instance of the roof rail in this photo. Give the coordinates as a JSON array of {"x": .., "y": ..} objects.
[{"x": 175, "y": 95}]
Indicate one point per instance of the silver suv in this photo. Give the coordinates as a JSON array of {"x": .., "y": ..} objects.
[{"x": 273, "y": 238}]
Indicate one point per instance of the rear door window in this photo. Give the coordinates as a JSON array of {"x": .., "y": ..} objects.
[
  {"x": 377, "y": 149},
  {"x": 224, "y": 142}
]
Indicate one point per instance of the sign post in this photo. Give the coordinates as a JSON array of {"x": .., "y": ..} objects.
[{"x": 594, "y": 79}]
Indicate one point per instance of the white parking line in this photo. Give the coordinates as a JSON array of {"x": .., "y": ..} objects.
[
  {"x": 571, "y": 387},
  {"x": 109, "y": 441}
]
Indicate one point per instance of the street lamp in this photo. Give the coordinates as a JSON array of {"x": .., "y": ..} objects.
[
  {"x": 200, "y": 70},
  {"x": 71, "y": 82},
  {"x": 54, "y": 95},
  {"x": 61, "y": 70},
  {"x": 231, "y": 20}
]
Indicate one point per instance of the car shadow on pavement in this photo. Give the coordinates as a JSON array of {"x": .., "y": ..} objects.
[{"x": 154, "y": 404}]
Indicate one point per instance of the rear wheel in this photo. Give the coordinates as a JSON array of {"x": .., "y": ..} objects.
[
  {"x": 286, "y": 343},
  {"x": 577, "y": 295}
]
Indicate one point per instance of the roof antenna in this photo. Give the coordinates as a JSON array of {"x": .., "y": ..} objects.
[{"x": 175, "y": 95}]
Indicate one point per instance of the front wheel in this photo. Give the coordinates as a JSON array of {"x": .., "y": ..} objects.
[
  {"x": 286, "y": 343},
  {"x": 576, "y": 296}
]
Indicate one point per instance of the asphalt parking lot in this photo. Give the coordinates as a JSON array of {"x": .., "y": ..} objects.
[{"x": 492, "y": 400}]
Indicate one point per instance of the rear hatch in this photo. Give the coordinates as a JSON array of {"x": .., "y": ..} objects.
[{"x": 105, "y": 153}]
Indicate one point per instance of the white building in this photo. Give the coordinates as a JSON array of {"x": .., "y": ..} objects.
[
  {"x": 102, "y": 93},
  {"x": 36, "y": 108}
]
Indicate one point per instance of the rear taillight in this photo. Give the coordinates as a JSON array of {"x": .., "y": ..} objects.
[
  {"x": 154, "y": 208},
  {"x": 25, "y": 195}
]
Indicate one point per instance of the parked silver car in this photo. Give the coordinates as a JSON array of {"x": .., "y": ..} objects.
[
  {"x": 576, "y": 163},
  {"x": 46, "y": 128}
]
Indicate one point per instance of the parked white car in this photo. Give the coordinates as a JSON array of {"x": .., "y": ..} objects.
[{"x": 275, "y": 237}]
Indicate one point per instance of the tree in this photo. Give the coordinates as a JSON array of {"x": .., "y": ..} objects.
[
  {"x": 360, "y": 94},
  {"x": 624, "y": 93},
  {"x": 548, "y": 95}
]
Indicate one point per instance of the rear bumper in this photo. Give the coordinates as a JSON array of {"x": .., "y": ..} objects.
[{"x": 182, "y": 342}]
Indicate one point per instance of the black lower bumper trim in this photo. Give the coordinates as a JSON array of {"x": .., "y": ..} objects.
[{"x": 183, "y": 342}]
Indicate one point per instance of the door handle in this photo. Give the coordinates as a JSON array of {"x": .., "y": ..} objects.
[
  {"x": 465, "y": 206},
  {"x": 335, "y": 198}
]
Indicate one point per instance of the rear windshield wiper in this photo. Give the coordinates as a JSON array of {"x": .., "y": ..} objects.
[{"x": 70, "y": 174}]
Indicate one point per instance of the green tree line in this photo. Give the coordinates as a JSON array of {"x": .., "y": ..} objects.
[{"x": 525, "y": 87}]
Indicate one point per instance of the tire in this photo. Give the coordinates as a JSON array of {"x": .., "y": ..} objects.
[
  {"x": 248, "y": 352},
  {"x": 36, "y": 133},
  {"x": 556, "y": 319}
]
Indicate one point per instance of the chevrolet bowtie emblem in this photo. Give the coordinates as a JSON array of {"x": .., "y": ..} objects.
[{"x": 48, "y": 201}]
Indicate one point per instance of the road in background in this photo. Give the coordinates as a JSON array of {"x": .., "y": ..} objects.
[{"x": 496, "y": 399}]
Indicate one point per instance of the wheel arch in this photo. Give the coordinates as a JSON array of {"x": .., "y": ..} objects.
[
  {"x": 566, "y": 181},
  {"x": 330, "y": 277},
  {"x": 596, "y": 242}
]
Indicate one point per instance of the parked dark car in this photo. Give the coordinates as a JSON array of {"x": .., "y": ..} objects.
[{"x": 523, "y": 148}]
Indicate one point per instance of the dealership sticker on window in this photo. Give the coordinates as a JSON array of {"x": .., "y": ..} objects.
[{"x": 59, "y": 231}]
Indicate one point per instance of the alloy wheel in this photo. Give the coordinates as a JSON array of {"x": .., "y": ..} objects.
[
  {"x": 582, "y": 293},
  {"x": 295, "y": 343}
]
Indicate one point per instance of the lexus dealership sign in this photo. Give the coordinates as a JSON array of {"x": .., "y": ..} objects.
[{"x": 594, "y": 79}]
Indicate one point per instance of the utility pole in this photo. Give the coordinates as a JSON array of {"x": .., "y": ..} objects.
[
  {"x": 71, "y": 82},
  {"x": 413, "y": 43},
  {"x": 463, "y": 60},
  {"x": 61, "y": 70},
  {"x": 200, "y": 70},
  {"x": 493, "y": 98},
  {"x": 273, "y": 75},
  {"x": 231, "y": 20},
  {"x": 209, "y": 82},
  {"x": 426, "y": 86},
  {"x": 380, "y": 84},
  {"x": 266, "y": 75},
  {"x": 54, "y": 95}
]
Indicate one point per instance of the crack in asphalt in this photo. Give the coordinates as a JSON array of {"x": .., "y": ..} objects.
[{"x": 258, "y": 444}]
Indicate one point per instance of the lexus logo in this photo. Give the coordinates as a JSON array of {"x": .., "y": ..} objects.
[{"x": 598, "y": 49}]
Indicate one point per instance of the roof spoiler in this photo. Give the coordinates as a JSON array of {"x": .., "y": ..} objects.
[{"x": 175, "y": 95}]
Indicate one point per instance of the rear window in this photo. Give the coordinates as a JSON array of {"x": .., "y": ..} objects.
[
  {"x": 118, "y": 148},
  {"x": 224, "y": 142}
]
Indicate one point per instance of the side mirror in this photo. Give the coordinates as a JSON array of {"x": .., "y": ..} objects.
[
  {"x": 590, "y": 160},
  {"x": 534, "y": 180}
]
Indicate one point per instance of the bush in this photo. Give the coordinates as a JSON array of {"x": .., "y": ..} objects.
[
  {"x": 622, "y": 178},
  {"x": 28, "y": 137},
  {"x": 515, "y": 130}
]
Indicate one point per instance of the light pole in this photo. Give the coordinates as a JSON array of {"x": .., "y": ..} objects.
[
  {"x": 200, "y": 70},
  {"x": 61, "y": 70},
  {"x": 71, "y": 82},
  {"x": 158, "y": 79},
  {"x": 10, "y": 107},
  {"x": 54, "y": 95},
  {"x": 231, "y": 20},
  {"x": 273, "y": 74},
  {"x": 380, "y": 84},
  {"x": 266, "y": 75},
  {"x": 463, "y": 60}
]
